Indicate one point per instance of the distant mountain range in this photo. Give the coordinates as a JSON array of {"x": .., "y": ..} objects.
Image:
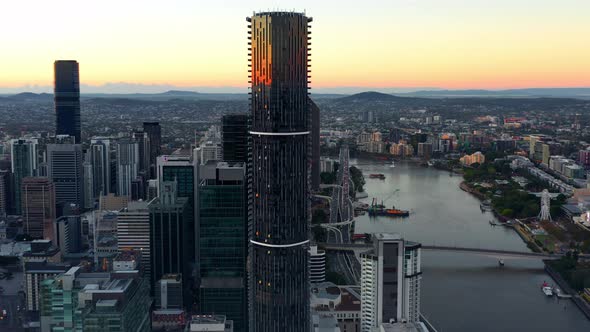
[
  {"x": 580, "y": 93},
  {"x": 576, "y": 93}
]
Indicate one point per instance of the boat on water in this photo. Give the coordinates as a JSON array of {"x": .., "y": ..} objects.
[
  {"x": 380, "y": 210},
  {"x": 547, "y": 290},
  {"x": 392, "y": 164},
  {"x": 377, "y": 176},
  {"x": 430, "y": 163},
  {"x": 501, "y": 262}
]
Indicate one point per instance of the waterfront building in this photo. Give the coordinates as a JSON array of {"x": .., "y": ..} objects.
[
  {"x": 279, "y": 185},
  {"x": 35, "y": 273},
  {"x": 425, "y": 150},
  {"x": 38, "y": 207},
  {"x": 234, "y": 131},
  {"x": 317, "y": 265},
  {"x": 133, "y": 232},
  {"x": 67, "y": 99},
  {"x": 154, "y": 132},
  {"x": 127, "y": 166},
  {"x": 390, "y": 282},
  {"x": 172, "y": 240},
  {"x": 338, "y": 302},
  {"x": 23, "y": 161},
  {"x": 66, "y": 172},
  {"x": 475, "y": 158},
  {"x": 222, "y": 241}
]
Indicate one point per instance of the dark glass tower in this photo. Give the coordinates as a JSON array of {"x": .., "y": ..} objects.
[
  {"x": 279, "y": 169},
  {"x": 67, "y": 98},
  {"x": 234, "y": 129},
  {"x": 154, "y": 132},
  {"x": 315, "y": 146}
]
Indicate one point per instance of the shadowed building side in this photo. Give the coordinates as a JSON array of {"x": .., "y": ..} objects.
[{"x": 67, "y": 98}]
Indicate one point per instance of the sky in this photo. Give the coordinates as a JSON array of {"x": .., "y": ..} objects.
[{"x": 150, "y": 46}]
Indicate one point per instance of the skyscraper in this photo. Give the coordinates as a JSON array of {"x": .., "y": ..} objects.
[
  {"x": 100, "y": 158},
  {"x": 65, "y": 169},
  {"x": 143, "y": 143},
  {"x": 390, "y": 282},
  {"x": 154, "y": 132},
  {"x": 4, "y": 179},
  {"x": 23, "y": 164},
  {"x": 133, "y": 232},
  {"x": 172, "y": 241},
  {"x": 222, "y": 241},
  {"x": 234, "y": 131},
  {"x": 279, "y": 188},
  {"x": 315, "y": 146},
  {"x": 38, "y": 207},
  {"x": 127, "y": 166},
  {"x": 67, "y": 98}
]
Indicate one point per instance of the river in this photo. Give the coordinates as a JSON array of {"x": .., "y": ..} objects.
[{"x": 464, "y": 292}]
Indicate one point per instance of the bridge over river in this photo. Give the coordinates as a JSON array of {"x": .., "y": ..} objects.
[{"x": 357, "y": 248}]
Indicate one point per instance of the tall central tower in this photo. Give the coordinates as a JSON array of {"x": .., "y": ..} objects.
[{"x": 279, "y": 169}]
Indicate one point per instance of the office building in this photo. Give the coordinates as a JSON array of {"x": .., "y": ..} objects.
[
  {"x": 169, "y": 292},
  {"x": 317, "y": 265},
  {"x": 41, "y": 251},
  {"x": 234, "y": 131},
  {"x": 222, "y": 241},
  {"x": 23, "y": 163},
  {"x": 111, "y": 202},
  {"x": 133, "y": 232},
  {"x": 100, "y": 158},
  {"x": 390, "y": 282},
  {"x": 35, "y": 273},
  {"x": 65, "y": 169},
  {"x": 425, "y": 150},
  {"x": 210, "y": 151},
  {"x": 4, "y": 185},
  {"x": 143, "y": 143},
  {"x": 172, "y": 240},
  {"x": 127, "y": 166},
  {"x": 102, "y": 302},
  {"x": 154, "y": 132},
  {"x": 38, "y": 207},
  {"x": 209, "y": 323},
  {"x": 68, "y": 235},
  {"x": 315, "y": 145},
  {"x": 279, "y": 187},
  {"x": 67, "y": 99},
  {"x": 88, "y": 182}
]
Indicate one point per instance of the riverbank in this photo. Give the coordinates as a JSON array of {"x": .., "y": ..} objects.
[{"x": 580, "y": 303}]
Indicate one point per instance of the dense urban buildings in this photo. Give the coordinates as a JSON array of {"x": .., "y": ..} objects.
[
  {"x": 154, "y": 132},
  {"x": 67, "y": 99},
  {"x": 133, "y": 232},
  {"x": 38, "y": 207},
  {"x": 23, "y": 163},
  {"x": 279, "y": 280},
  {"x": 64, "y": 168}
]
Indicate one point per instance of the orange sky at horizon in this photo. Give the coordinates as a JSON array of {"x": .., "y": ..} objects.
[{"x": 451, "y": 44}]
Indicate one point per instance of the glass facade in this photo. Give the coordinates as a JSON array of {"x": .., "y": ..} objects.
[
  {"x": 234, "y": 129},
  {"x": 279, "y": 168},
  {"x": 67, "y": 98},
  {"x": 222, "y": 250}
]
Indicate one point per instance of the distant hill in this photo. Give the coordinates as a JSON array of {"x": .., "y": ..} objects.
[
  {"x": 30, "y": 96},
  {"x": 579, "y": 93},
  {"x": 369, "y": 96}
]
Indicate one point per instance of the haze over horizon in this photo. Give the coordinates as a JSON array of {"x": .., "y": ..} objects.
[{"x": 387, "y": 46}]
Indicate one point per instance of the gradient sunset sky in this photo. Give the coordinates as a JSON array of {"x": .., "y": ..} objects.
[{"x": 452, "y": 44}]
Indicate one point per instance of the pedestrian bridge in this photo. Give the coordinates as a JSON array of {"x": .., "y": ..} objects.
[{"x": 483, "y": 251}]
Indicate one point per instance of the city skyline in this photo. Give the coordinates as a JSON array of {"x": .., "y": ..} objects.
[{"x": 455, "y": 44}]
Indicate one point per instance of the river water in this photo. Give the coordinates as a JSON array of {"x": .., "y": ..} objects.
[{"x": 464, "y": 292}]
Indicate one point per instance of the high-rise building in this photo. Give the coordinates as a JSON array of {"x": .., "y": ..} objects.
[
  {"x": 127, "y": 166},
  {"x": 23, "y": 163},
  {"x": 68, "y": 235},
  {"x": 172, "y": 240},
  {"x": 143, "y": 142},
  {"x": 88, "y": 182},
  {"x": 234, "y": 131},
  {"x": 38, "y": 207},
  {"x": 65, "y": 170},
  {"x": 169, "y": 292},
  {"x": 184, "y": 170},
  {"x": 154, "y": 132},
  {"x": 133, "y": 232},
  {"x": 100, "y": 158},
  {"x": 315, "y": 145},
  {"x": 67, "y": 99},
  {"x": 210, "y": 151},
  {"x": 390, "y": 282},
  {"x": 222, "y": 241},
  {"x": 35, "y": 273},
  {"x": 102, "y": 302},
  {"x": 317, "y": 265},
  {"x": 425, "y": 150},
  {"x": 279, "y": 185},
  {"x": 4, "y": 182}
]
